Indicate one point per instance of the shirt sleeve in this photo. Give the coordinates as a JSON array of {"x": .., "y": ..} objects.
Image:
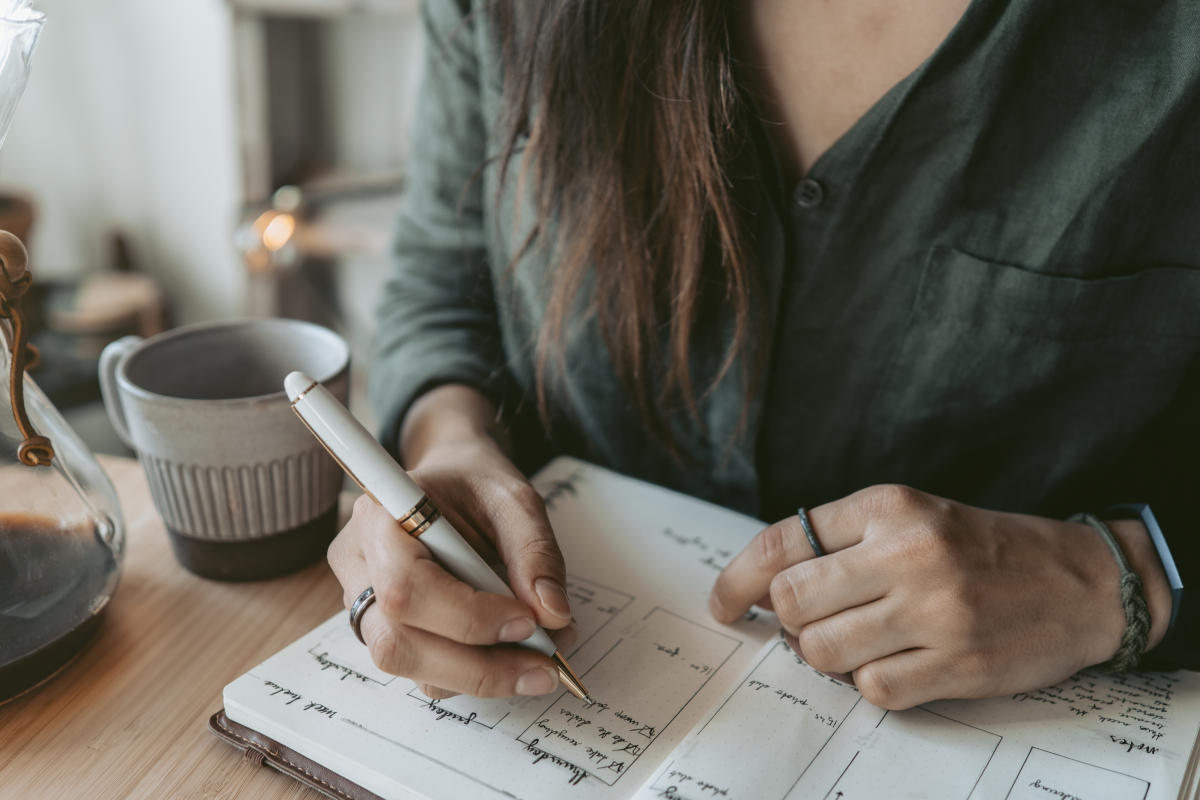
[{"x": 437, "y": 318}]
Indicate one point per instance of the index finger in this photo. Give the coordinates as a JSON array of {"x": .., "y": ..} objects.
[
  {"x": 518, "y": 523},
  {"x": 780, "y": 545}
]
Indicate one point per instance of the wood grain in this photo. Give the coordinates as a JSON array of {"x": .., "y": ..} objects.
[{"x": 128, "y": 718}]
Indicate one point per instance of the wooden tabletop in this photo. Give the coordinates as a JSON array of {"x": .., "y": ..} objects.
[{"x": 129, "y": 717}]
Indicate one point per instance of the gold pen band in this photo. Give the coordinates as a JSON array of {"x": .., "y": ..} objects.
[{"x": 417, "y": 519}]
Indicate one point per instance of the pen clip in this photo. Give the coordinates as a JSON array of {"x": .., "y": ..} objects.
[
  {"x": 415, "y": 521},
  {"x": 328, "y": 449}
]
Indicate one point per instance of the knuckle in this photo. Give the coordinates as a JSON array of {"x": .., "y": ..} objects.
[
  {"x": 771, "y": 545},
  {"x": 477, "y": 627},
  {"x": 540, "y": 549},
  {"x": 391, "y": 653},
  {"x": 785, "y": 594},
  {"x": 878, "y": 687},
  {"x": 889, "y": 499},
  {"x": 820, "y": 647},
  {"x": 486, "y": 683},
  {"x": 395, "y": 596}
]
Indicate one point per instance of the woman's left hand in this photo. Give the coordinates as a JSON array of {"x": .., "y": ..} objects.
[{"x": 922, "y": 598}]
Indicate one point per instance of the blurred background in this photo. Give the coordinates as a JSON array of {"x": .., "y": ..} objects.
[{"x": 191, "y": 160}]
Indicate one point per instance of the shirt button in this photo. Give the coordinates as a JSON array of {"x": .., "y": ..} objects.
[{"x": 809, "y": 193}]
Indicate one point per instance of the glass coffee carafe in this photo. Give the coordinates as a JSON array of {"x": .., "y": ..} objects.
[{"x": 61, "y": 532}]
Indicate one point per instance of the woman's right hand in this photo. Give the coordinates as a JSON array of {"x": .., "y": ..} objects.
[{"x": 426, "y": 625}]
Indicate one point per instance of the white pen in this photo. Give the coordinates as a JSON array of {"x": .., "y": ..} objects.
[{"x": 378, "y": 474}]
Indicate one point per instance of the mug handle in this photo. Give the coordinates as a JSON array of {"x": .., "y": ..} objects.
[{"x": 111, "y": 357}]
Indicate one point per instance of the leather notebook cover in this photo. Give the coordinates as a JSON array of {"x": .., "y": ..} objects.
[{"x": 288, "y": 761}]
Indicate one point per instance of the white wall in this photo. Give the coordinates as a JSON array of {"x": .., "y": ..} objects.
[
  {"x": 129, "y": 122},
  {"x": 372, "y": 85}
]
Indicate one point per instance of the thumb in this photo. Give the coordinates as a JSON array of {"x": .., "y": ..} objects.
[{"x": 536, "y": 572}]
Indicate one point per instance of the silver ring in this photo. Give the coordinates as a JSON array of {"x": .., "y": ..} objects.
[
  {"x": 358, "y": 608},
  {"x": 807, "y": 527}
]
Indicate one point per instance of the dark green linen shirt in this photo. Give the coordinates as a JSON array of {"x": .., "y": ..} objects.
[{"x": 989, "y": 288}]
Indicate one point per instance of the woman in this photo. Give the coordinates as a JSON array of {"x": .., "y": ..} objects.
[{"x": 929, "y": 270}]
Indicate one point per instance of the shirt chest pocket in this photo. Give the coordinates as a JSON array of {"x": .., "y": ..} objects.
[{"x": 1006, "y": 381}]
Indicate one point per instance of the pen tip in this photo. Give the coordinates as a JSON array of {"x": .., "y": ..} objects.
[{"x": 587, "y": 698}]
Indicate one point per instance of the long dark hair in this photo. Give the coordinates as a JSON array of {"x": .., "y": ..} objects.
[{"x": 632, "y": 112}]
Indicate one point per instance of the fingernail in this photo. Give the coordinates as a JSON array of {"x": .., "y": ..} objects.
[
  {"x": 516, "y": 630},
  {"x": 553, "y": 597},
  {"x": 541, "y": 680}
]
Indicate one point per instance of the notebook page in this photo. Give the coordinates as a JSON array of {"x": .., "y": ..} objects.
[
  {"x": 788, "y": 731},
  {"x": 641, "y": 561}
]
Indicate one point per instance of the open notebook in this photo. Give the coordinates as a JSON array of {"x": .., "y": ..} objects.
[{"x": 688, "y": 708}]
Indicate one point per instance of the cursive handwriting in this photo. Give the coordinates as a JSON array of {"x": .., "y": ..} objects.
[
  {"x": 285, "y": 692},
  {"x": 1037, "y": 784},
  {"x": 1126, "y": 702},
  {"x": 557, "y": 733},
  {"x": 540, "y": 755},
  {"x": 575, "y": 719},
  {"x": 1131, "y": 745},
  {"x": 346, "y": 672},
  {"x": 323, "y": 710},
  {"x": 679, "y": 777},
  {"x": 446, "y": 714},
  {"x": 276, "y": 690}
]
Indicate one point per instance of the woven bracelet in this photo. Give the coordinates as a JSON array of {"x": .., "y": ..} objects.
[{"x": 1133, "y": 601}]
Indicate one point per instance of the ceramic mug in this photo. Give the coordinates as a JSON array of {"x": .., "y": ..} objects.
[{"x": 245, "y": 490}]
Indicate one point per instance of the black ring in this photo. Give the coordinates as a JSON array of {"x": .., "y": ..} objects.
[
  {"x": 802, "y": 513},
  {"x": 358, "y": 608}
]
